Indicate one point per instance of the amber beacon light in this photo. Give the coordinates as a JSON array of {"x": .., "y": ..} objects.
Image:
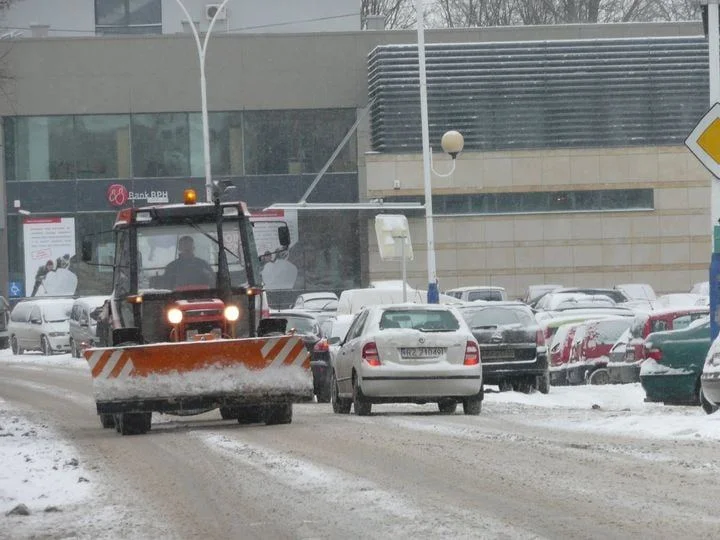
[{"x": 189, "y": 196}]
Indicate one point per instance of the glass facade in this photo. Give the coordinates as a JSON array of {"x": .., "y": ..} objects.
[{"x": 66, "y": 166}]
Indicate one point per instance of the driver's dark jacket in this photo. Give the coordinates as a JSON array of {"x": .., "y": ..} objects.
[{"x": 188, "y": 271}]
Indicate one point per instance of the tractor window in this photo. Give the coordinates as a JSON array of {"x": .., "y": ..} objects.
[{"x": 173, "y": 257}]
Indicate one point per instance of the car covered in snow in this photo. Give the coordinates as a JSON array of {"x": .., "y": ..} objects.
[
  {"x": 512, "y": 345},
  {"x": 472, "y": 294},
  {"x": 407, "y": 353},
  {"x": 83, "y": 321},
  {"x": 646, "y": 323},
  {"x": 674, "y": 362},
  {"x": 334, "y": 331},
  {"x": 591, "y": 347},
  {"x": 316, "y": 301},
  {"x": 4, "y": 319}
]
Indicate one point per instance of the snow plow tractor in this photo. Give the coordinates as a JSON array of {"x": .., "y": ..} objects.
[{"x": 182, "y": 332}]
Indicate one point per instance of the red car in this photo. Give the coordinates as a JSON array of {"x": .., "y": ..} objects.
[
  {"x": 560, "y": 349},
  {"x": 643, "y": 325},
  {"x": 591, "y": 347}
]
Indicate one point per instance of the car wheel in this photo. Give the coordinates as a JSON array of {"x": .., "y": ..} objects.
[
  {"x": 339, "y": 405},
  {"x": 599, "y": 376},
  {"x": 360, "y": 403},
  {"x": 45, "y": 346},
  {"x": 107, "y": 420},
  {"x": 324, "y": 393},
  {"x": 473, "y": 405},
  {"x": 279, "y": 414},
  {"x": 524, "y": 386},
  {"x": 15, "y": 346},
  {"x": 707, "y": 406},
  {"x": 542, "y": 383},
  {"x": 73, "y": 350},
  {"x": 447, "y": 406}
]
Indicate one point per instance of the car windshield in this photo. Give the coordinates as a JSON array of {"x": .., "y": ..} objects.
[
  {"x": 497, "y": 316},
  {"x": 492, "y": 295},
  {"x": 301, "y": 325},
  {"x": 56, "y": 312},
  {"x": 176, "y": 256},
  {"x": 425, "y": 320}
]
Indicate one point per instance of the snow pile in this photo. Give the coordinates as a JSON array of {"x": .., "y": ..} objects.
[
  {"x": 213, "y": 380},
  {"x": 59, "y": 360},
  {"x": 38, "y": 469}
]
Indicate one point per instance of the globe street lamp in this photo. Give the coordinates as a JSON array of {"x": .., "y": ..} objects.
[
  {"x": 202, "y": 49},
  {"x": 452, "y": 143}
]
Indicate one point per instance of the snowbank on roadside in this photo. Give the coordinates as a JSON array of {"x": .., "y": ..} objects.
[
  {"x": 36, "y": 358},
  {"x": 37, "y": 468}
]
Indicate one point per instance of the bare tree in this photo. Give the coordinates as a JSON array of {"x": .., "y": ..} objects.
[
  {"x": 463, "y": 13},
  {"x": 398, "y": 13}
]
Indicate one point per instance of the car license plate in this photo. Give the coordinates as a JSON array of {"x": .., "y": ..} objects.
[
  {"x": 497, "y": 353},
  {"x": 421, "y": 352}
]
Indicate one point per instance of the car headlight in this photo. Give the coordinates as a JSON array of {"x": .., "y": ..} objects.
[
  {"x": 232, "y": 313},
  {"x": 57, "y": 334},
  {"x": 174, "y": 315}
]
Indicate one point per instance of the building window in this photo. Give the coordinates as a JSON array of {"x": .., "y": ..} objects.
[
  {"x": 599, "y": 200},
  {"x": 103, "y": 144},
  {"x": 128, "y": 17},
  {"x": 298, "y": 141},
  {"x": 160, "y": 145},
  {"x": 226, "y": 144},
  {"x": 40, "y": 148}
]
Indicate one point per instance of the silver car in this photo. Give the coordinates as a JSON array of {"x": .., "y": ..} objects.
[
  {"x": 83, "y": 322},
  {"x": 415, "y": 353},
  {"x": 40, "y": 325}
]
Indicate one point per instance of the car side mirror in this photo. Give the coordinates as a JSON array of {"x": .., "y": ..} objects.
[
  {"x": 87, "y": 250},
  {"x": 335, "y": 340},
  {"x": 35, "y": 320},
  {"x": 84, "y": 323}
]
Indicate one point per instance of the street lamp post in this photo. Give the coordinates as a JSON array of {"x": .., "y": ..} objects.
[
  {"x": 202, "y": 49},
  {"x": 452, "y": 143}
]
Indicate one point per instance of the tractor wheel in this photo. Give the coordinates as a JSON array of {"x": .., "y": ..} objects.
[
  {"x": 134, "y": 423},
  {"x": 107, "y": 420},
  {"x": 251, "y": 414},
  {"x": 278, "y": 414}
]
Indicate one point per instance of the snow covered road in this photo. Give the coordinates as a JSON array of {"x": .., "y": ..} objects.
[{"x": 583, "y": 462}]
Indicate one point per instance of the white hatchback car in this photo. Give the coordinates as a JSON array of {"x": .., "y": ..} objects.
[
  {"x": 40, "y": 324},
  {"x": 407, "y": 353}
]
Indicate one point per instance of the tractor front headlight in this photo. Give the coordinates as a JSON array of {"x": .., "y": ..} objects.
[
  {"x": 232, "y": 313},
  {"x": 174, "y": 315}
]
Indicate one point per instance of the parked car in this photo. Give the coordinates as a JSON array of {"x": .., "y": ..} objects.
[
  {"x": 40, "y": 325},
  {"x": 674, "y": 362},
  {"x": 616, "y": 357},
  {"x": 408, "y": 353},
  {"x": 561, "y": 345},
  {"x": 589, "y": 357},
  {"x": 644, "y": 325},
  {"x": 84, "y": 316},
  {"x": 316, "y": 301},
  {"x": 681, "y": 300},
  {"x": 471, "y": 294},
  {"x": 512, "y": 345},
  {"x": 535, "y": 292},
  {"x": 333, "y": 331},
  {"x": 4, "y": 319},
  {"x": 637, "y": 291},
  {"x": 710, "y": 379},
  {"x": 614, "y": 294}
]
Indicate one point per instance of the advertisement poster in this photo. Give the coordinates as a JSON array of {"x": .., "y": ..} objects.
[
  {"x": 277, "y": 267},
  {"x": 49, "y": 247}
]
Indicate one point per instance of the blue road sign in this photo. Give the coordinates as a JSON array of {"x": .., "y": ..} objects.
[{"x": 16, "y": 289}]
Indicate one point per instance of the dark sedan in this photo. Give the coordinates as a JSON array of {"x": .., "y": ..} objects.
[{"x": 512, "y": 346}]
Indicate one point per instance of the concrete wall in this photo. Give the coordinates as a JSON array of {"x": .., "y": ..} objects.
[{"x": 668, "y": 247}]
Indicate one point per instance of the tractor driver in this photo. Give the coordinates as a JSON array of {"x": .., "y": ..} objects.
[{"x": 187, "y": 269}]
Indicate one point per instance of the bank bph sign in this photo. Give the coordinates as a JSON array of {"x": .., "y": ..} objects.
[{"x": 119, "y": 195}]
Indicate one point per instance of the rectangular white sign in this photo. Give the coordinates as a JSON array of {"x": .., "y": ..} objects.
[{"x": 49, "y": 245}]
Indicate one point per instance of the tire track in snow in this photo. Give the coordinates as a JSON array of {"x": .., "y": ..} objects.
[{"x": 365, "y": 506}]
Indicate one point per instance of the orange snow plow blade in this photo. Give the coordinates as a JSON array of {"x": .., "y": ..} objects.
[{"x": 247, "y": 370}]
